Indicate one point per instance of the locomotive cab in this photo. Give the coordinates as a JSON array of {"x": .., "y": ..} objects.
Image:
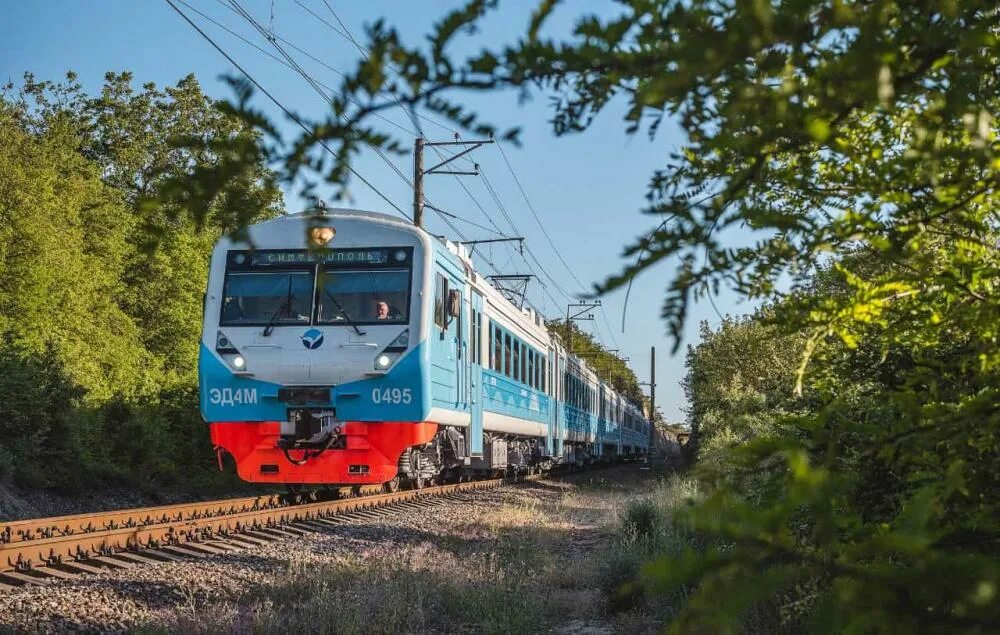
[{"x": 311, "y": 342}]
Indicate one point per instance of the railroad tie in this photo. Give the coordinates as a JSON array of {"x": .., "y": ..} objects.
[
  {"x": 21, "y": 578},
  {"x": 207, "y": 548},
  {"x": 259, "y": 535},
  {"x": 314, "y": 524},
  {"x": 113, "y": 563},
  {"x": 137, "y": 558},
  {"x": 247, "y": 540},
  {"x": 226, "y": 544},
  {"x": 328, "y": 522},
  {"x": 52, "y": 572},
  {"x": 79, "y": 567},
  {"x": 159, "y": 554},
  {"x": 184, "y": 551},
  {"x": 277, "y": 533}
]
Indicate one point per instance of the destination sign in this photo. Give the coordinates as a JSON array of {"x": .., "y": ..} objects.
[{"x": 325, "y": 257}]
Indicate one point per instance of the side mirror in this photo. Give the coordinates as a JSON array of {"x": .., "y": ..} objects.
[{"x": 454, "y": 303}]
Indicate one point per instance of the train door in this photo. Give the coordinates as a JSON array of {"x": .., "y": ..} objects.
[
  {"x": 554, "y": 389},
  {"x": 474, "y": 374},
  {"x": 446, "y": 346},
  {"x": 601, "y": 423},
  {"x": 550, "y": 392}
]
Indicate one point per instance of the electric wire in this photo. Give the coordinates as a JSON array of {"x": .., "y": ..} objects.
[
  {"x": 538, "y": 218},
  {"x": 345, "y": 32},
  {"x": 336, "y": 71},
  {"x": 317, "y": 87},
  {"x": 309, "y": 79},
  {"x": 288, "y": 113},
  {"x": 279, "y": 60},
  {"x": 290, "y": 66}
]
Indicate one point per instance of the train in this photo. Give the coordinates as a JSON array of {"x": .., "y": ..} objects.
[{"x": 350, "y": 348}]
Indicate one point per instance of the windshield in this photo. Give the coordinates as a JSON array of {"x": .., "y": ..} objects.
[
  {"x": 267, "y": 298},
  {"x": 377, "y": 296}
]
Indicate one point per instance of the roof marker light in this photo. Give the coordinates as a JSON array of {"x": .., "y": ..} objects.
[{"x": 320, "y": 236}]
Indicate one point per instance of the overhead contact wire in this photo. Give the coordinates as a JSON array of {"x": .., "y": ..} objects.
[{"x": 282, "y": 107}]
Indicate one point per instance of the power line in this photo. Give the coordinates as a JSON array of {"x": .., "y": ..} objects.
[
  {"x": 445, "y": 216},
  {"x": 315, "y": 85},
  {"x": 318, "y": 86},
  {"x": 309, "y": 79},
  {"x": 281, "y": 106},
  {"x": 538, "y": 218},
  {"x": 346, "y": 33},
  {"x": 280, "y": 60},
  {"x": 292, "y": 45}
]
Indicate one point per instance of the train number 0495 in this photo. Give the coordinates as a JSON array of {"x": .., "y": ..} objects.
[{"x": 391, "y": 395}]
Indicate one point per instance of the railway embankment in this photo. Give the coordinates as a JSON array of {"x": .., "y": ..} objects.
[{"x": 549, "y": 555}]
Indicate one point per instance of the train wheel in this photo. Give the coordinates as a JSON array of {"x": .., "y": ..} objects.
[
  {"x": 392, "y": 486},
  {"x": 293, "y": 494}
]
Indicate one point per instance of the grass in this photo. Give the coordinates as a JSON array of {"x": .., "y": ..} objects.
[
  {"x": 558, "y": 559},
  {"x": 395, "y": 595}
]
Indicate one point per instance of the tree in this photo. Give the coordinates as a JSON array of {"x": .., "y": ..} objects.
[
  {"x": 824, "y": 127},
  {"x": 98, "y": 334},
  {"x": 739, "y": 383}
]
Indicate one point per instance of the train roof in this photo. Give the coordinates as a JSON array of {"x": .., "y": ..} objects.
[
  {"x": 344, "y": 212},
  {"x": 460, "y": 252}
]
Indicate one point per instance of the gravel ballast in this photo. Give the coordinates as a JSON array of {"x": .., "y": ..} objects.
[{"x": 501, "y": 541}]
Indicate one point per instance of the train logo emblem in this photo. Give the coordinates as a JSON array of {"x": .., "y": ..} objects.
[{"x": 312, "y": 339}]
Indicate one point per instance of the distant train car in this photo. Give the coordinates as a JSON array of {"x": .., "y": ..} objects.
[{"x": 352, "y": 348}]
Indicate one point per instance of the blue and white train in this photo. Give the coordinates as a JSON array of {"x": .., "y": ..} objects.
[{"x": 352, "y": 348}]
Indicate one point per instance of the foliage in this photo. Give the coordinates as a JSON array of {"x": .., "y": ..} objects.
[
  {"x": 850, "y": 150},
  {"x": 739, "y": 384},
  {"x": 98, "y": 337}
]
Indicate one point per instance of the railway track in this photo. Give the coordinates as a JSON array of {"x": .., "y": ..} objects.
[{"x": 33, "y": 552}]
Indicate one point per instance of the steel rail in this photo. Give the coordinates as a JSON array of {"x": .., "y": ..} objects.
[
  {"x": 193, "y": 525},
  {"x": 36, "y": 528}
]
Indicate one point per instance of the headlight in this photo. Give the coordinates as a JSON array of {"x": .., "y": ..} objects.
[
  {"x": 238, "y": 362},
  {"x": 391, "y": 353}
]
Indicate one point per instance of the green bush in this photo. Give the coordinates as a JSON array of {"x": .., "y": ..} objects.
[{"x": 99, "y": 336}]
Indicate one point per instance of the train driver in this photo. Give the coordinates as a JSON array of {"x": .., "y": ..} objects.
[{"x": 384, "y": 312}]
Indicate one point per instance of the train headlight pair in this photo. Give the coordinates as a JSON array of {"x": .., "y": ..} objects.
[{"x": 396, "y": 347}]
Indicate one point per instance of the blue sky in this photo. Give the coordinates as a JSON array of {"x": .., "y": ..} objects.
[{"x": 588, "y": 188}]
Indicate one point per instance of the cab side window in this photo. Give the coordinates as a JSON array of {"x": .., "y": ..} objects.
[{"x": 440, "y": 299}]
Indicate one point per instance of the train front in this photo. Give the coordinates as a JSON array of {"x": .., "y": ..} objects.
[{"x": 311, "y": 367}]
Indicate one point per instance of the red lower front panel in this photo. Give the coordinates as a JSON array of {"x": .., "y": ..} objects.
[{"x": 375, "y": 445}]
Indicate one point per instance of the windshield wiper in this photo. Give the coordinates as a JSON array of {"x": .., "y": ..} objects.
[
  {"x": 284, "y": 308},
  {"x": 340, "y": 308}
]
